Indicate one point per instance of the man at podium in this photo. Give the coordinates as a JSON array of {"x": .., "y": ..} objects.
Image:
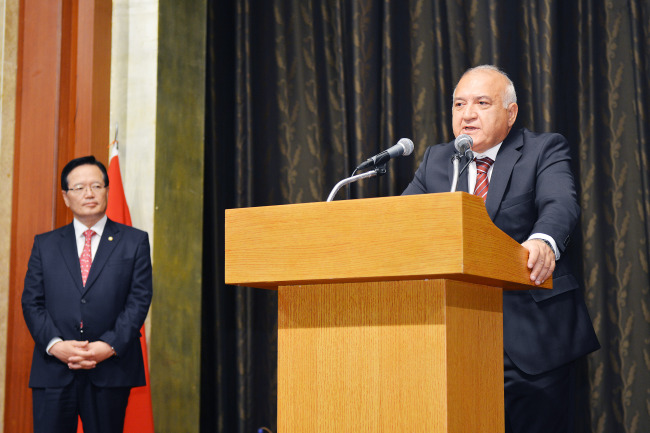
[{"x": 526, "y": 182}]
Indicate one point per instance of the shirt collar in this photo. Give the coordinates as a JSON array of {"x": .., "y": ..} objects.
[
  {"x": 98, "y": 228},
  {"x": 490, "y": 153}
]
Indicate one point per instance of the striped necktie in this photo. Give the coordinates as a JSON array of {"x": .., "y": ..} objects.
[{"x": 482, "y": 182}]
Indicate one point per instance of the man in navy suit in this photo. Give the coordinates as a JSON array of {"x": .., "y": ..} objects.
[
  {"x": 87, "y": 292},
  {"x": 530, "y": 196}
]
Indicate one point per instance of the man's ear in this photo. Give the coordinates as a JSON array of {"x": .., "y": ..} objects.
[
  {"x": 512, "y": 110},
  {"x": 65, "y": 198}
]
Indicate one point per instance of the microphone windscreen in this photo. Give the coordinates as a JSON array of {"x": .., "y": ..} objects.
[
  {"x": 463, "y": 142},
  {"x": 407, "y": 145}
]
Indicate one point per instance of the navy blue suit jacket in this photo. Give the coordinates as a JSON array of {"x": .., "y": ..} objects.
[
  {"x": 113, "y": 305},
  {"x": 531, "y": 191}
]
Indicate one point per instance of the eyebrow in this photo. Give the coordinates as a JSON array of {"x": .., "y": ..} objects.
[{"x": 475, "y": 98}]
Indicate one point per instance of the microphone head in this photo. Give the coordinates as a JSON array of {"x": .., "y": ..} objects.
[
  {"x": 407, "y": 144},
  {"x": 463, "y": 143}
]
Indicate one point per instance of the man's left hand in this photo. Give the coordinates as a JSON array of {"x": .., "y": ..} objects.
[
  {"x": 541, "y": 260},
  {"x": 98, "y": 351}
]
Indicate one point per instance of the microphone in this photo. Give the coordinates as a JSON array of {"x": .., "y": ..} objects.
[
  {"x": 404, "y": 147},
  {"x": 463, "y": 145}
]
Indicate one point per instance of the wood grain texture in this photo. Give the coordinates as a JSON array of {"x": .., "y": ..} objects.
[
  {"x": 389, "y": 310},
  {"x": 50, "y": 69},
  {"x": 35, "y": 188},
  {"x": 390, "y": 238},
  {"x": 390, "y": 356},
  {"x": 93, "y": 63},
  {"x": 474, "y": 321}
]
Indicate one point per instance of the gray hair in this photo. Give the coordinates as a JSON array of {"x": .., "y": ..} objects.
[{"x": 509, "y": 95}]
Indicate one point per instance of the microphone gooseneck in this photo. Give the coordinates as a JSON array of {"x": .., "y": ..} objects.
[
  {"x": 463, "y": 145},
  {"x": 378, "y": 162},
  {"x": 404, "y": 147}
]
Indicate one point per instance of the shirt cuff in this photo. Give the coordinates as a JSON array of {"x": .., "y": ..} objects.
[
  {"x": 52, "y": 343},
  {"x": 549, "y": 240}
]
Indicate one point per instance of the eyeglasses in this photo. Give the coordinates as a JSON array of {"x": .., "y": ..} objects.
[{"x": 78, "y": 189}]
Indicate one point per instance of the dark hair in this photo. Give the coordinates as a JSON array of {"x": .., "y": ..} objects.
[{"x": 84, "y": 160}]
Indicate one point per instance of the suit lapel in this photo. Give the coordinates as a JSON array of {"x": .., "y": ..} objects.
[
  {"x": 110, "y": 238},
  {"x": 506, "y": 159},
  {"x": 70, "y": 254}
]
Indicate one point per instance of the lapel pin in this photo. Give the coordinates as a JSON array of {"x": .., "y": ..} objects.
[{"x": 110, "y": 238}]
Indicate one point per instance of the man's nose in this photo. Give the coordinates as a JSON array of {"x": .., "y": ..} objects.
[{"x": 469, "y": 112}]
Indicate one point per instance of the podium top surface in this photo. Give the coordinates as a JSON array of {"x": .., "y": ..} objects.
[{"x": 447, "y": 235}]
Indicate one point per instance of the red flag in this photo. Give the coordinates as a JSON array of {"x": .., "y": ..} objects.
[
  {"x": 139, "y": 413},
  {"x": 117, "y": 209}
]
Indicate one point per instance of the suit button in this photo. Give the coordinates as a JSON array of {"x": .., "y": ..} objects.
[{"x": 83, "y": 301}]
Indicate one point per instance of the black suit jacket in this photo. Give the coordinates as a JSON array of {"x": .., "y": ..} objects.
[
  {"x": 113, "y": 305},
  {"x": 531, "y": 191}
]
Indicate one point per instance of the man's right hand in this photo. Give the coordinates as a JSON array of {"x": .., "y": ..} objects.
[{"x": 74, "y": 353}]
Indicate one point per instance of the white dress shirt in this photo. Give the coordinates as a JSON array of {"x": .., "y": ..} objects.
[{"x": 79, "y": 230}]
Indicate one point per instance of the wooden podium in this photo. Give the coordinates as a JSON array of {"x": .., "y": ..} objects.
[{"x": 389, "y": 310}]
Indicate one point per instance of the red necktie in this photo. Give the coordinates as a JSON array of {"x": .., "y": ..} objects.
[
  {"x": 482, "y": 182},
  {"x": 86, "y": 259}
]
